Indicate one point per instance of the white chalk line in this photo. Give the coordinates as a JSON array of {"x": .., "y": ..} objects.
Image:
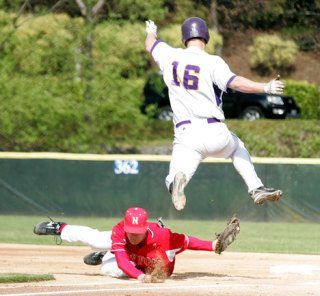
[
  {"x": 67, "y": 285},
  {"x": 151, "y": 287},
  {"x": 54, "y": 285}
]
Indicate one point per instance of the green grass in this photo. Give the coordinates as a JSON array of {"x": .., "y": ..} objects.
[
  {"x": 291, "y": 238},
  {"x": 22, "y": 278}
]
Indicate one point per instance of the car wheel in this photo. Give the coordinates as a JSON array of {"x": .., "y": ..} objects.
[
  {"x": 252, "y": 113},
  {"x": 165, "y": 113}
]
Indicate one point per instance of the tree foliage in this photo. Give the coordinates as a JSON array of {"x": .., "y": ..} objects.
[
  {"x": 264, "y": 14},
  {"x": 233, "y": 14},
  {"x": 123, "y": 10},
  {"x": 179, "y": 10},
  {"x": 270, "y": 52},
  {"x": 120, "y": 49},
  {"x": 46, "y": 44},
  {"x": 136, "y": 10},
  {"x": 45, "y": 73},
  {"x": 307, "y": 96},
  {"x": 42, "y": 84},
  {"x": 39, "y": 114}
]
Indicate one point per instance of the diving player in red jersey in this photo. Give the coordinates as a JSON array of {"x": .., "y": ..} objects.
[
  {"x": 146, "y": 244},
  {"x": 134, "y": 247}
]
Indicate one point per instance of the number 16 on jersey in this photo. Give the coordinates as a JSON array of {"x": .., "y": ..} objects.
[{"x": 190, "y": 77}]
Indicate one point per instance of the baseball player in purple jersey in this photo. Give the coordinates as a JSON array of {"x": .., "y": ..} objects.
[{"x": 196, "y": 81}]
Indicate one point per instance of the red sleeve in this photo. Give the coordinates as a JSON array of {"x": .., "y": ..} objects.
[
  {"x": 118, "y": 238},
  {"x": 125, "y": 265},
  {"x": 198, "y": 244},
  {"x": 118, "y": 248}
]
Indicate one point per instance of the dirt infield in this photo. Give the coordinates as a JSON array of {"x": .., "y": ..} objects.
[{"x": 196, "y": 273}]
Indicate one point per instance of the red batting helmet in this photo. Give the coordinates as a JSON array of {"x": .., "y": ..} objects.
[
  {"x": 194, "y": 27},
  {"x": 135, "y": 220}
]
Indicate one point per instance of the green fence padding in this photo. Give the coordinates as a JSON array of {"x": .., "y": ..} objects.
[{"x": 92, "y": 188}]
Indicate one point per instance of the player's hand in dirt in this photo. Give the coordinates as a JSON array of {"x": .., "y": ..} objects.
[{"x": 149, "y": 278}]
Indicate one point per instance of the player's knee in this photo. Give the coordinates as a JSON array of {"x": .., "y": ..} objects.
[
  {"x": 113, "y": 273},
  {"x": 112, "y": 270}
]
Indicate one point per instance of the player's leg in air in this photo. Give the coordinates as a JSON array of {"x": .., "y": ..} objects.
[
  {"x": 98, "y": 240},
  {"x": 184, "y": 162},
  {"x": 242, "y": 162},
  {"x": 232, "y": 147},
  {"x": 221, "y": 143}
]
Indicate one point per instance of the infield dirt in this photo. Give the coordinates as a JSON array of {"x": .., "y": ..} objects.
[{"x": 196, "y": 273}]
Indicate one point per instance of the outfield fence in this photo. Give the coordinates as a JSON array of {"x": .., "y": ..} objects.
[{"x": 105, "y": 185}]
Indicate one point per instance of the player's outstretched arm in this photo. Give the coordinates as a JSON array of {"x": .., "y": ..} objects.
[
  {"x": 151, "y": 38},
  {"x": 245, "y": 85},
  {"x": 195, "y": 243}
]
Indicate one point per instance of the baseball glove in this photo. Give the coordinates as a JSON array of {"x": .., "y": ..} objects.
[{"x": 228, "y": 235}]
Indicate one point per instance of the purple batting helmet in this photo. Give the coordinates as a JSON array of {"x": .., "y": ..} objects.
[{"x": 194, "y": 27}]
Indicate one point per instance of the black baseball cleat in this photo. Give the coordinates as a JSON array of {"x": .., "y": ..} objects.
[
  {"x": 263, "y": 194},
  {"x": 48, "y": 228},
  {"x": 94, "y": 258},
  {"x": 178, "y": 197}
]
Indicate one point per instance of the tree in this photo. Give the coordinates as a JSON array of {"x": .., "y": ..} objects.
[
  {"x": 215, "y": 23},
  {"x": 91, "y": 16}
]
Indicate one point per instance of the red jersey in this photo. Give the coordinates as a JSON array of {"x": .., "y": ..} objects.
[{"x": 160, "y": 245}]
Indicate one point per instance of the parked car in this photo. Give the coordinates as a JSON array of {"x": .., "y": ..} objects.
[
  {"x": 234, "y": 104},
  {"x": 254, "y": 106}
]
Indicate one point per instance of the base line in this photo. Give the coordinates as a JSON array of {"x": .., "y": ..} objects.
[{"x": 151, "y": 287}]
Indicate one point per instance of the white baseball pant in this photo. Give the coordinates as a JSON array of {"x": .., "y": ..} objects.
[
  {"x": 97, "y": 240},
  {"x": 198, "y": 140}
]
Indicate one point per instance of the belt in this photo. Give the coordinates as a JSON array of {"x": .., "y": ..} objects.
[{"x": 209, "y": 120}]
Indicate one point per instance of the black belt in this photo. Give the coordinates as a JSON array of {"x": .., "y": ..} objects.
[{"x": 209, "y": 120}]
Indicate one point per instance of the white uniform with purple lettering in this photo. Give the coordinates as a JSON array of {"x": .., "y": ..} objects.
[{"x": 196, "y": 81}]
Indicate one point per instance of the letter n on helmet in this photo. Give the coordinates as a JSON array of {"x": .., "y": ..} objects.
[{"x": 194, "y": 27}]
